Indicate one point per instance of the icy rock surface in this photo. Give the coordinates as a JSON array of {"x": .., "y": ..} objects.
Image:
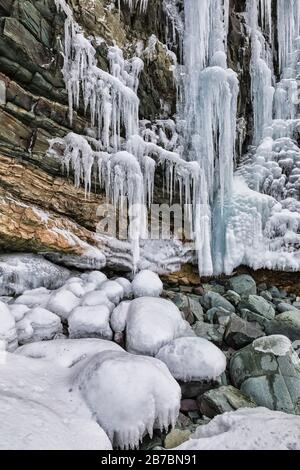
[
  {"x": 22, "y": 272},
  {"x": 62, "y": 302},
  {"x": 152, "y": 323},
  {"x": 18, "y": 311},
  {"x": 38, "y": 324},
  {"x": 95, "y": 298},
  {"x": 119, "y": 317},
  {"x": 34, "y": 298},
  {"x": 113, "y": 291},
  {"x": 147, "y": 284},
  {"x": 248, "y": 429},
  {"x": 90, "y": 322},
  {"x": 277, "y": 344},
  {"x": 124, "y": 406},
  {"x": 44, "y": 414},
  {"x": 193, "y": 359},
  {"x": 67, "y": 352},
  {"x": 8, "y": 334}
]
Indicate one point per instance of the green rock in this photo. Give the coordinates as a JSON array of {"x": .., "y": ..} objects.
[
  {"x": 222, "y": 400},
  {"x": 268, "y": 371},
  {"x": 213, "y": 333},
  {"x": 233, "y": 297},
  {"x": 213, "y": 299},
  {"x": 258, "y": 305},
  {"x": 240, "y": 333},
  {"x": 287, "y": 324},
  {"x": 243, "y": 285}
]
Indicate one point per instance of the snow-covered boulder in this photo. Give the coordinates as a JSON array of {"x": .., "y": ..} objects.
[
  {"x": 18, "y": 311},
  {"x": 193, "y": 359},
  {"x": 8, "y": 333},
  {"x": 90, "y": 322},
  {"x": 96, "y": 297},
  {"x": 20, "y": 272},
  {"x": 62, "y": 302},
  {"x": 152, "y": 323},
  {"x": 129, "y": 395},
  {"x": 76, "y": 286},
  {"x": 38, "y": 324},
  {"x": 95, "y": 277},
  {"x": 67, "y": 352},
  {"x": 113, "y": 291},
  {"x": 34, "y": 298},
  {"x": 247, "y": 429},
  {"x": 127, "y": 287},
  {"x": 118, "y": 317},
  {"x": 147, "y": 284},
  {"x": 39, "y": 411}
]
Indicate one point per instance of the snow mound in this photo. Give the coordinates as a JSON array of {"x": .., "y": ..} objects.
[
  {"x": 18, "y": 311},
  {"x": 76, "y": 287},
  {"x": 193, "y": 359},
  {"x": 62, "y": 302},
  {"x": 127, "y": 287},
  {"x": 119, "y": 317},
  {"x": 147, "y": 284},
  {"x": 8, "y": 332},
  {"x": 113, "y": 291},
  {"x": 44, "y": 414},
  {"x": 67, "y": 352},
  {"x": 95, "y": 277},
  {"x": 22, "y": 272},
  {"x": 97, "y": 297},
  {"x": 34, "y": 298},
  {"x": 129, "y": 395},
  {"x": 152, "y": 323},
  {"x": 277, "y": 344},
  {"x": 248, "y": 429},
  {"x": 90, "y": 322},
  {"x": 38, "y": 324}
]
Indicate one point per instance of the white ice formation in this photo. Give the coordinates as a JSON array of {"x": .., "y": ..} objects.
[
  {"x": 244, "y": 215},
  {"x": 109, "y": 384}
]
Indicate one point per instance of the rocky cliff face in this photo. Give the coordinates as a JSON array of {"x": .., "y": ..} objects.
[{"x": 40, "y": 209}]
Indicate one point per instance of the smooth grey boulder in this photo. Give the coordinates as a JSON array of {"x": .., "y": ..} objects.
[
  {"x": 258, "y": 305},
  {"x": 243, "y": 285},
  {"x": 285, "y": 307},
  {"x": 222, "y": 400},
  {"x": 215, "y": 300},
  {"x": 287, "y": 324},
  {"x": 268, "y": 371},
  {"x": 239, "y": 333}
]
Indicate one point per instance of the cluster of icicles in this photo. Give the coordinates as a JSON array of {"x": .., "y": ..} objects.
[
  {"x": 249, "y": 217},
  {"x": 124, "y": 167}
]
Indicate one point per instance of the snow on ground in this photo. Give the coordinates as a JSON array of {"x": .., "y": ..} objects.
[
  {"x": 147, "y": 284},
  {"x": 8, "y": 332},
  {"x": 40, "y": 411},
  {"x": 152, "y": 323},
  {"x": 193, "y": 359},
  {"x": 67, "y": 352},
  {"x": 248, "y": 429},
  {"x": 129, "y": 394},
  {"x": 38, "y": 324}
]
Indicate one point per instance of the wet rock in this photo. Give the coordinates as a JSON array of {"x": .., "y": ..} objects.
[
  {"x": 233, "y": 297},
  {"x": 213, "y": 299},
  {"x": 258, "y": 305},
  {"x": 287, "y": 324},
  {"x": 240, "y": 333},
  {"x": 213, "y": 333},
  {"x": 222, "y": 400}
]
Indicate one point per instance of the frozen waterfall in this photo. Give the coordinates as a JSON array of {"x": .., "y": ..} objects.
[{"x": 242, "y": 211}]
